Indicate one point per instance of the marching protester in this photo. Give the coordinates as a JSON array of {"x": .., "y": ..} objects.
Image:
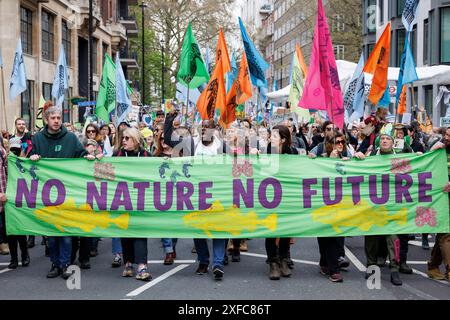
[
  {"x": 134, "y": 249},
  {"x": 54, "y": 141}
]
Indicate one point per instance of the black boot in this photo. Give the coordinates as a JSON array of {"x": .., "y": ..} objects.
[
  {"x": 25, "y": 260},
  {"x": 13, "y": 264},
  {"x": 236, "y": 256},
  {"x": 54, "y": 272},
  {"x": 274, "y": 269},
  {"x": 395, "y": 279}
]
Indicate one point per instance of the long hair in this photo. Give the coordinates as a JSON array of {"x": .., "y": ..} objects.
[
  {"x": 284, "y": 134},
  {"x": 98, "y": 136},
  {"x": 330, "y": 143},
  {"x": 136, "y": 136}
]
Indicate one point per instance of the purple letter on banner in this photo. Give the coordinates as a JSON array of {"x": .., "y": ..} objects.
[
  {"x": 157, "y": 196},
  {"x": 23, "y": 191},
  {"x": 203, "y": 195},
  {"x": 403, "y": 190},
  {"x": 424, "y": 186},
  {"x": 384, "y": 189},
  {"x": 238, "y": 190},
  {"x": 262, "y": 193},
  {"x": 92, "y": 193},
  {"x": 356, "y": 191},
  {"x": 184, "y": 197},
  {"x": 141, "y": 186},
  {"x": 122, "y": 191},
  {"x": 61, "y": 193},
  {"x": 337, "y": 191},
  {"x": 307, "y": 192}
]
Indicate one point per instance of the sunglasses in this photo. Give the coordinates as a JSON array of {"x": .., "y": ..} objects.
[
  {"x": 340, "y": 142},
  {"x": 126, "y": 138},
  {"x": 91, "y": 131},
  {"x": 329, "y": 129}
]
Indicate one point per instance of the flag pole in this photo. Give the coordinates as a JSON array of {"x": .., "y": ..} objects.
[{"x": 3, "y": 99}]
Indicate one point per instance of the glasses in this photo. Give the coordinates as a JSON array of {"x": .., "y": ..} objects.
[
  {"x": 126, "y": 138},
  {"x": 91, "y": 131},
  {"x": 340, "y": 142}
]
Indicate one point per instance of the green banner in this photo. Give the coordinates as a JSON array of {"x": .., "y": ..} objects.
[{"x": 226, "y": 197}]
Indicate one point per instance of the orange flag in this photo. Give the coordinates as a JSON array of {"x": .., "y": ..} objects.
[
  {"x": 301, "y": 59},
  {"x": 378, "y": 64},
  {"x": 240, "y": 92},
  {"x": 222, "y": 53},
  {"x": 214, "y": 96},
  {"x": 402, "y": 102}
]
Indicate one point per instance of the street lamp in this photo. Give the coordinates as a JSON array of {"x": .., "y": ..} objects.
[
  {"x": 143, "y": 5},
  {"x": 162, "y": 70}
]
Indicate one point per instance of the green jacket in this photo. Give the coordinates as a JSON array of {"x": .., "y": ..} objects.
[{"x": 63, "y": 144}]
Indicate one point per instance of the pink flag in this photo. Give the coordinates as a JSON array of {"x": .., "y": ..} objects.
[{"x": 322, "y": 90}]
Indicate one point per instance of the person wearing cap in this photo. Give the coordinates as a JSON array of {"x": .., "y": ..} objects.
[{"x": 148, "y": 139}]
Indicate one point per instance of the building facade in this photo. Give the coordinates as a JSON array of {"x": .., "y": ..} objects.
[
  {"x": 429, "y": 40},
  {"x": 294, "y": 22},
  {"x": 42, "y": 27}
]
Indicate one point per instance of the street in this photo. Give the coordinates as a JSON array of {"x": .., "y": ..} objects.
[{"x": 244, "y": 280}]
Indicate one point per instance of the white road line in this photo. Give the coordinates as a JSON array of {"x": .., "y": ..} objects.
[
  {"x": 156, "y": 281},
  {"x": 175, "y": 261},
  {"x": 416, "y": 262},
  {"x": 7, "y": 263},
  {"x": 418, "y": 292},
  {"x": 5, "y": 270},
  {"x": 419, "y": 243},
  {"x": 265, "y": 256},
  {"x": 354, "y": 260},
  {"x": 420, "y": 273}
]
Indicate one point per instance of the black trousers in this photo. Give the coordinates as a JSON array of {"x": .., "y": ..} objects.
[
  {"x": 341, "y": 243},
  {"x": 3, "y": 237},
  {"x": 329, "y": 253},
  {"x": 134, "y": 250},
  {"x": 84, "y": 245},
  {"x": 403, "y": 247},
  {"x": 273, "y": 252},
  {"x": 12, "y": 243}
]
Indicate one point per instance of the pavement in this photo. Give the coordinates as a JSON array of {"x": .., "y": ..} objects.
[{"x": 244, "y": 280}]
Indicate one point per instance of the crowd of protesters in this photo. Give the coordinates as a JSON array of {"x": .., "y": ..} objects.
[{"x": 372, "y": 136}]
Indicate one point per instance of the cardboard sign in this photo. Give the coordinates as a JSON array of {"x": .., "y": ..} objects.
[{"x": 280, "y": 118}]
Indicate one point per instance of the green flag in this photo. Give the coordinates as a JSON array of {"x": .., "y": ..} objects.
[
  {"x": 106, "y": 100},
  {"x": 297, "y": 90},
  {"x": 192, "y": 72}
]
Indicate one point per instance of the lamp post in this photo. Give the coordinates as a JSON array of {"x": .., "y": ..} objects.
[
  {"x": 91, "y": 59},
  {"x": 162, "y": 70},
  {"x": 143, "y": 5},
  {"x": 281, "y": 69}
]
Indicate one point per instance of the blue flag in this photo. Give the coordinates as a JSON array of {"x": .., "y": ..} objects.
[
  {"x": 231, "y": 76},
  {"x": 208, "y": 60},
  {"x": 256, "y": 64},
  {"x": 123, "y": 101},
  {"x": 275, "y": 86},
  {"x": 409, "y": 15},
  {"x": 385, "y": 99},
  {"x": 407, "y": 68},
  {"x": 60, "y": 82},
  {"x": 354, "y": 96},
  {"x": 18, "y": 81}
]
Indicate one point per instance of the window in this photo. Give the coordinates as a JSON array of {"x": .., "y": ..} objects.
[
  {"x": 339, "y": 52},
  {"x": 67, "y": 42},
  {"x": 26, "y": 103},
  {"x": 26, "y": 30},
  {"x": 47, "y": 91},
  {"x": 66, "y": 106},
  {"x": 429, "y": 100},
  {"x": 445, "y": 35},
  {"x": 443, "y": 105},
  {"x": 381, "y": 11},
  {"x": 94, "y": 55},
  {"x": 426, "y": 42},
  {"x": 400, "y": 45},
  {"x": 400, "y": 7},
  {"x": 47, "y": 36},
  {"x": 371, "y": 27},
  {"x": 338, "y": 23},
  {"x": 433, "y": 56},
  {"x": 413, "y": 41}
]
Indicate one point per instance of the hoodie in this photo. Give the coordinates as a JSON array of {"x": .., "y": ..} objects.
[{"x": 63, "y": 144}]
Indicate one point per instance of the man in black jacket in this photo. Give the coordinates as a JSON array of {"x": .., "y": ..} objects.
[{"x": 54, "y": 141}]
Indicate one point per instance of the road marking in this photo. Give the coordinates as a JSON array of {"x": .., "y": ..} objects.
[
  {"x": 157, "y": 280},
  {"x": 7, "y": 263},
  {"x": 5, "y": 270},
  {"x": 354, "y": 260},
  {"x": 175, "y": 261},
  {"x": 416, "y": 262},
  {"x": 420, "y": 273},
  {"x": 419, "y": 243},
  {"x": 265, "y": 256},
  {"x": 418, "y": 292}
]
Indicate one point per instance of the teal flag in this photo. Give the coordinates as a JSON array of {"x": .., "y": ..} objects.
[{"x": 228, "y": 197}]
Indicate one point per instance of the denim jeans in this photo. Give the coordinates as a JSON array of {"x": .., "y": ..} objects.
[
  {"x": 116, "y": 246},
  {"x": 60, "y": 250},
  {"x": 169, "y": 244},
  {"x": 201, "y": 246}
]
